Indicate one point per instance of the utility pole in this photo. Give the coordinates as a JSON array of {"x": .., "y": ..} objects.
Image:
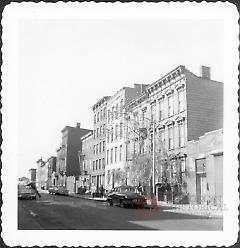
[{"x": 153, "y": 159}]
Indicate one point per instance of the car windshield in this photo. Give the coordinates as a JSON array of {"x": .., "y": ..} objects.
[{"x": 127, "y": 189}]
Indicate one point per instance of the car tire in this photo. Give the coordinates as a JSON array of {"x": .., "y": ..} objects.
[{"x": 122, "y": 205}]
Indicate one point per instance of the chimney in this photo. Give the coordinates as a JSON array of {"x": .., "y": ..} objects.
[
  {"x": 78, "y": 125},
  {"x": 205, "y": 72}
]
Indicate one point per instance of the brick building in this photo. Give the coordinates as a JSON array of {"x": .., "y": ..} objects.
[
  {"x": 51, "y": 167},
  {"x": 182, "y": 107},
  {"x": 42, "y": 174},
  {"x": 33, "y": 175},
  {"x": 99, "y": 144},
  {"x": 67, "y": 163},
  {"x": 85, "y": 161},
  {"x": 116, "y": 133}
]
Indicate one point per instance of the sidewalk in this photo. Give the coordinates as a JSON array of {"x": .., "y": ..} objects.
[
  {"x": 88, "y": 197},
  {"x": 190, "y": 209},
  {"x": 194, "y": 209}
]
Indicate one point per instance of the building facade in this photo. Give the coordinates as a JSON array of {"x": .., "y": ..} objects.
[
  {"x": 67, "y": 163},
  {"x": 180, "y": 107},
  {"x": 116, "y": 134},
  {"x": 85, "y": 161},
  {"x": 42, "y": 174},
  {"x": 33, "y": 175},
  {"x": 99, "y": 144},
  {"x": 51, "y": 167},
  {"x": 205, "y": 169}
]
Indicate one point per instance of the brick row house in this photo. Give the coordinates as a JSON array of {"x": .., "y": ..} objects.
[
  {"x": 97, "y": 169},
  {"x": 116, "y": 135},
  {"x": 182, "y": 107},
  {"x": 85, "y": 162}
]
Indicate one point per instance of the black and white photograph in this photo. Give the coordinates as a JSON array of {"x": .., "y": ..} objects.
[{"x": 120, "y": 124}]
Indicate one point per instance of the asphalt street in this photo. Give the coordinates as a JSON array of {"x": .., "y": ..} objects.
[{"x": 52, "y": 212}]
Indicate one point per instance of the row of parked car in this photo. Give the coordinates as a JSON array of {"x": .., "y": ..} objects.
[{"x": 124, "y": 196}]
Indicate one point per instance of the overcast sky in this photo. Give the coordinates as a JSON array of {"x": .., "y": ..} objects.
[{"x": 66, "y": 66}]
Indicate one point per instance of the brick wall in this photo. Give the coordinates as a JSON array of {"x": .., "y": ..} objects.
[
  {"x": 204, "y": 105},
  {"x": 74, "y": 144}
]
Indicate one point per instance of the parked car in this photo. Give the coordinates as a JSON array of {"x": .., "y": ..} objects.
[
  {"x": 126, "y": 196},
  {"x": 26, "y": 192},
  {"x": 58, "y": 190}
]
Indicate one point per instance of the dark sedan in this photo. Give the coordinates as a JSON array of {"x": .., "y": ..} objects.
[
  {"x": 26, "y": 192},
  {"x": 58, "y": 190},
  {"x": 126, "y": 196}
]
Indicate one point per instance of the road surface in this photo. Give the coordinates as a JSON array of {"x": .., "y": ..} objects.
[{"x": 52, "y": 212}]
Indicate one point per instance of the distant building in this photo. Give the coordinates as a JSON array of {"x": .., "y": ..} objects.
[
  {"x": 67, "y": 164},
  {"x": 99, "y": 144},
  {"x": 51, "y": 168},
  {"x": 205, "y": 169},
  {"x": 85, "y": 161},
  {"x": 115, "y": 132},
  {"x": 42, "y": 174},
  {"x": 23, "y": 180},
  {"x": 33, "y": 175}
]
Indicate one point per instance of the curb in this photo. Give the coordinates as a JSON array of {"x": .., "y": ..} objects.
[{"x": 87, "y": 198}]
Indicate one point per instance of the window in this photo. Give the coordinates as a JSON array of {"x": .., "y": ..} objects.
[
  {"x": 162, "y": 138},
  {"x": 100, "y": 147},
  {"x": 116, "y": 112},
  {"x": 121, "y": 130},
  {"x": 116, "y": 131},
  {"x": 104, "y": 129},
  {"x": 103, "y": 146},
  {"x": 170, "y": 137},
  {"x": 99, "y": 164},
  {"x": 104, "y": 112},
  {"x": 98, "y": 117},
  {"x": 108, "y": 135},
  {"x": 93, "y": 165},
  {"x": 95, "y": 119},
  {"x": 201, "y": 165},
  {"x": 97, "y": 149},
  {"x": 94, "y": 151},
  {"x": 101, "y": 114},
  {"x": 112, "y": 134},
  {"x": 161, "y": 109},
  {"x": 111, "y": 156},
  {"x": 121, "y": 108},
  {"x": 107, "y": 156},
  {"x": 180, "y": 101},
  {"x": 183, "y": 166},
  {"x": 143, "y": 118},
  {"x": 134, "y": 146},
  {"x": 96, "y": 164},
  {"x": 97, "y": 132},
  {"x": 94, "y": 134},
  {"x": 181, "y": 135},
  {"x": 152, "y": 111},
  {"x": 170, "y": 105},
  {"x": 103, "y": 163},
  {"x": 115, "y": 155},
  {"x": 112, "y": 113},
  {"x": 120, "y": 153},
  {"x": 109, "y": 116}
]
